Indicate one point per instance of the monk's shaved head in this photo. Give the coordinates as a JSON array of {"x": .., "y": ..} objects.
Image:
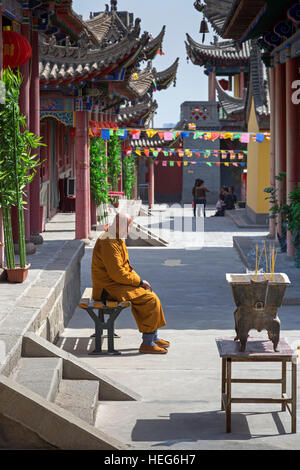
[{"x": 120, "y": 227}]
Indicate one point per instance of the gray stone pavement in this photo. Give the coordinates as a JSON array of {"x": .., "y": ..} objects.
[{"x": 180, "y": 392}]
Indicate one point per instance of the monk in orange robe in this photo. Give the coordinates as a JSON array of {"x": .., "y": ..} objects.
[{"x": 114, "y": 279}]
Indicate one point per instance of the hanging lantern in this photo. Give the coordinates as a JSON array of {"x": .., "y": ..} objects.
[
  {"x": 16, "y": 49},
  {"x": 204, "y": 28}
]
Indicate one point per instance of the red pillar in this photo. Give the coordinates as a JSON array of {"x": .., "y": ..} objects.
[
  {"x": 212, "y": 86},
  {"x": 35, "y": 128},
  {"x": 25, "y": 110},
  {"x": 292, "y": 138},
  {"x": 280, "y": 132},
  {"x": 83, "y": 215},
  {"x": 242, "y": 84},
  {"x": 272, "y": 225},
  {"x": 151, "y": 183}
]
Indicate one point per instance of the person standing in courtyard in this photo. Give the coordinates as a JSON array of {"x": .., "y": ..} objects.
[
  {"x": 231, "y": 191},
  {"x": 114, "y": 279},
  {"x": 228, "y": 200},
  {"x": 199, "y": 195}
]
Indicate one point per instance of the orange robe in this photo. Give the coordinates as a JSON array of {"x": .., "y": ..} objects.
[{"x": 111, "y": 271}]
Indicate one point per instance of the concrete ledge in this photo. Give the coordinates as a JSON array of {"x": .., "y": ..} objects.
[
  {"x": 45, "y": 305},
  {"x": 241, "y": 220},
  {"x": 73, "y": 369},
  {"x": 30, "y": 422}
]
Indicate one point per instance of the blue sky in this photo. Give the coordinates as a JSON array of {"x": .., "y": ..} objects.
[{"x": 180, "y": 17}]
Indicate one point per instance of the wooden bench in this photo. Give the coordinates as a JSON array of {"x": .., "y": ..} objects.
[
  {"x": 97, "y": 311},
  {"x": 258, "y": 350}
]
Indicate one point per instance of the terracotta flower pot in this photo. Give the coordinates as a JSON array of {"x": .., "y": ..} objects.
[
  {"x": 257, "y": 302},
  {"x": 18, "y": 274}
]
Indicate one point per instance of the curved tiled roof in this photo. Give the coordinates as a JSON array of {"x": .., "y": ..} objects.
[
  {"x": 216, "y": 11},
  {"x": 100, "y": 25},
  {"x": 141, "y": 111},
  {"x": 67, "y": 62},
  {"x": 155, "y": 45},
  {"x": 165, "y": 78},
  {"x": 224, "y": 51},
  {"x": 144, "y": 83},
  {"x": 230, "y": 104},
  {"x": 259, "y": 87}
]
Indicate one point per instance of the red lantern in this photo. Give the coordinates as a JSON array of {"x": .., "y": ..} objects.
[{"x": 16, "y": 49}]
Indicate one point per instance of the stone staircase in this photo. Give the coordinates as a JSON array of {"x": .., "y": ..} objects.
[
  {"x": 145, "y": 237},
  {"x": 50, "y": 400}
]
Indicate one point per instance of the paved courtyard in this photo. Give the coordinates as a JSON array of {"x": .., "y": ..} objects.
[{"x": 179, "y": 406}]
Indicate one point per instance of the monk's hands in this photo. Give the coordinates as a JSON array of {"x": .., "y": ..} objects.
[{"x": 146, "y": 285}]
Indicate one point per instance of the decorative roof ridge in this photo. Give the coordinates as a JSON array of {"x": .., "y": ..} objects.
[
  {"x": 100, "y": 22},
  {"x": 260, "y": 82},
  {"x": 144, "y": 82},
  {"x": 146, "y": 105},
  {"x": 168, "y": 72},
  {"x": 70, "y": 53},
  {"x": 158, "y": 40},
  {"x": 218, "y": 45}
]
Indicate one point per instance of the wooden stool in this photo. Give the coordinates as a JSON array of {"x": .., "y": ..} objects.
[
  {"x": 97, "y": 311},
  {"x": 258, "y": 351}
]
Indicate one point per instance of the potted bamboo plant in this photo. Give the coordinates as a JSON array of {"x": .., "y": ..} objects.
[{"x": 18, "y": 166}]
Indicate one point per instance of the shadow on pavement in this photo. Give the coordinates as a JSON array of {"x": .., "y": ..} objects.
[{"x": 192, "y": 427}]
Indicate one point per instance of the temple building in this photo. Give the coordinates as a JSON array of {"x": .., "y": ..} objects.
[
  {"x": 80, "y": 73},
  {"x": 275, "y": 28},
  {"x": 239, "y": 79}
]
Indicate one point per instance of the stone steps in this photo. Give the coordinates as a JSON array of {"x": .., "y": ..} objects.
[
  {"x": 41, "y": 375},
  {"x": 50, "y": 400},
  {"x": 146, "y": 237},
  {"x": 79, "y": 397}
]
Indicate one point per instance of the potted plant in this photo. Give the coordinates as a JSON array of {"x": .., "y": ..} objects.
[{"x": 17, "y": 169}]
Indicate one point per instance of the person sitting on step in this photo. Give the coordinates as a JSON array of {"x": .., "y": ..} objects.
[{"x": 114, "y": 279}]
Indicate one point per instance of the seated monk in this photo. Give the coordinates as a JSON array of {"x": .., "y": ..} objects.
[{"x": 114, "y": 279}]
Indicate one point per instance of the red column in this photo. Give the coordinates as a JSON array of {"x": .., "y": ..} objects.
[
  {"x": 25, "y": 110},
  {"x": 272, "y": 225},
  {"x": 35, "y": 128},
  {"x": 242, "y": 84},
  {"x": 292, "y": 138},
  {"x": 212, "y": 86},
  {"x": 280, "y": 129},
  {"x": 83, "y": 215},
  {"x": 151, "y": 183}
]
